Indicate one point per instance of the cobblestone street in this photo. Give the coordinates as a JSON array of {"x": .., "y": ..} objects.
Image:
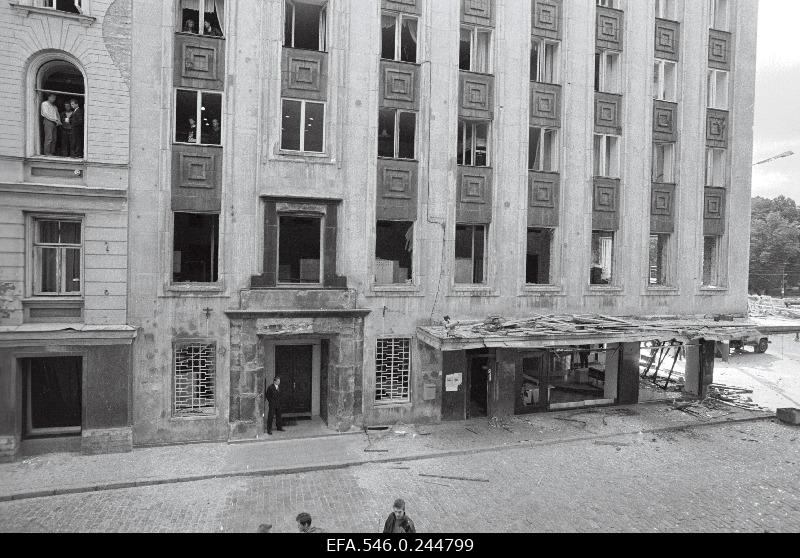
[{"x": 736, "y": 477}]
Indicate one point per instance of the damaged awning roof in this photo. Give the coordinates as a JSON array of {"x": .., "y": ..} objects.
[{"x": 540, "y": 331}]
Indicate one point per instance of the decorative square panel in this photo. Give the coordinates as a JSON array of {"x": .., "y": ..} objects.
[
  {"x": 543, "y": 199},
  {"x": 396, "y": 183},
  {"x": 477, "y": 11},
  {"x": 665, "y": 117},
  {"x": 542, "y": 194},
  {"x": 199, "y": 62},
  {"x": 546, "y": 20},
  {"x": 196, "y": 178},
  {"x": 719, "y": 50},
  {"x": 197, "y": 171},
  {"x": 667, "y": 38},
  {"x": 662, "y": 208},
  {"x": 605, "y": 198},
  {"x": 605, "y": 204},
  {"x": 609, "y": 28},
  {"x": 545, "y": 105},
  {"x": 608, "y": 113},
  {"x": 397, "y": 189},
  {"x": 399, "y": 85},
  {"x": 477, "y": 96},
  {"x": 717, "y": 128},
  {"x": 714, "y": 211},
  {"x": 304, "y": 74},
  {"x": 473, "y": 189},
  {"x": 474, "y": 201}
]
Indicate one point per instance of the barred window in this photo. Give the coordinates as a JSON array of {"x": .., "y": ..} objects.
[
  {"x": 392, "y": 370},
  {"x": 195, "y": 371}
]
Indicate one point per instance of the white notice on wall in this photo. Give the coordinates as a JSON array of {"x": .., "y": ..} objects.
[{"x": 452, "y": 381}]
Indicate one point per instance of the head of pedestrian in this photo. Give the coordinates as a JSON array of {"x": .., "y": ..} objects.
[
  {"x": 276, "y": 381},
  {"x": 73, "y": 103},
  {"x": 51, "y": 98},
  {"x": 303, "y": 522},
  {"x": 264, "y": 528},
  {"x": 399, "y": 508}
]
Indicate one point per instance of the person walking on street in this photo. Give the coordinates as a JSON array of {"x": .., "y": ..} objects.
[
  {"x": 398, "y": 521},
  {"x": 273, "y": 397},
  {"x": 51, "y": 120},
  {"x": 304, "y": 524}
]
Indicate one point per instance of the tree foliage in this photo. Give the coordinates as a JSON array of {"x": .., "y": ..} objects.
[{"x": 774, "y": 244}]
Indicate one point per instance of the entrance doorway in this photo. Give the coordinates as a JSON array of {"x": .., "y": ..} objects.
[
  {"x": 53, "y": 396},
  {"x": 295, "y": 364},
  {"x": 479, "y": 372}
]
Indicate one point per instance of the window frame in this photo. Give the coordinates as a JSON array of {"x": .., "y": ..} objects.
[
  {"x": 713, "y": 12},
  {"x": 550, "y": 275},
  {"x": 716, "y": 159},
  {"x": 408, "y": 341},
  {"x": 398, "y": 36},
  {"x": 201, "y": 4},
  {"x": 713, "y": 94},
  {"x": 323, "y": 24},
  {"x": 485, "y": 265},
  {"x": 541, "y": 57},
  {"x": 662, "y": 92},
  {"x": 608, "y": 84},
  {"x": 668, "y": 172},
  {"x": 322, "y": 223},
  {"x": 554, "y": 155},
  {"x": 205, "y": 412},
  {"x": 474, "y": 31},
  {"x": 411, "y": 282},
  {"x": 664, "y": 261},
  {"x": 615, "y": 161},
  {"x": 302, "y": 150},
  {"x": 39, "y": 91},
  {"x": 396, "y": 155},
  {"x": 216, "y": 251},
  {"x": 608, "y": 4},
  {"x": 613, "y": 267},
  {"x": 665, "y": 9},
  {"x": 715, "y": 272},
  {"x": 34, "y": 260},
  {"x": 198, "y": 117},
  {"x": 462, "y": 133},
  {"x": 51, "y": 5}
]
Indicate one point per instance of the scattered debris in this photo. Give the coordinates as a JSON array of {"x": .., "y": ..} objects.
[
  {"x": 471, "y": 430},
  {"x": 471, "y": 479},
  {"x": 613, "y": 444},
  {"x": 376, "y": 450},
  {"x": 583, "y": 423},
  {"x": 437, "y": 483}
]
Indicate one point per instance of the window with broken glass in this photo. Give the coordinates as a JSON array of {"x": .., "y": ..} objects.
[
  {"x": 544, "y": 61},
  {"x": 195, "y": 250},
  {"x": 393, "y": 370},
  {"x": 601, "y": 272},
  {"x": 664, "y": 163},
  {"x": 475, "y": 53},
  {"x": 194, "y": 379},
  {"x": 473, "y": 144},
  {"x": 394, "y": 252},
  {"x": 396, "y": 134},
  {"x": 305, "y": 25},
  {"x": 470, "y": 258},
  {"x": 538, "y": 256},
  {"x": 543, "y": 149},
  {"x": 659, "y": 245},
  {"x": 398, "y": 37}
]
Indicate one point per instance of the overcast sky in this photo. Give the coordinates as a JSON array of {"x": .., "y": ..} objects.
[{"x": 777, "y": 124}]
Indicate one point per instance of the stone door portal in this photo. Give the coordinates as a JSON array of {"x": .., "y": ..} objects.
[{"x": 294, "y": 364}]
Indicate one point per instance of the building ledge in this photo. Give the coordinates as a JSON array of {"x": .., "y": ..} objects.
[
  {"x": 71, "y": 334},
  {"x": 307, "y": 313},
  {"x": 28, "y": 10},
  {"x": 58, "y": 190}
]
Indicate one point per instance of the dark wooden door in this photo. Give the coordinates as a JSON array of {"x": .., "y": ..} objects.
[
  {"x": 478, "y": 405},
  {"x": 293, "y": 364}
]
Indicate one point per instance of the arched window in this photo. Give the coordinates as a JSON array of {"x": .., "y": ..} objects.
[{"x": 61, "y": 116}]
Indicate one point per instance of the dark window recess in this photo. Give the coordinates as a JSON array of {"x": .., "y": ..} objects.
[
  {"x": 658, "y": 249},
  {"x": 408, "y": 40},
  {"x": 53, "y": 395},
  {"x": 61, "y": 134},
  {"x": 386, "y": 119},
  {"x": 69, "y": 6},
  {"x": 211, "y": 12},
  {"x": 602, "y": 258},
  {"x": 198, "y": 117},
  {"x": 535, "y": 61},
  {"x": 598, "y": 60},
  {"x": 304, "y": 26},
  {"x": 290, "y": 136},
  {"x": 537, "y": 264},
  {"x": 299, "y": 249},
  {"x": 473, "y": 144},
  {"x": 470, "y": 254},
  {"x": 303, "y": 126},
  {"x": 396, "y": 134},
  {"x": 388, "y": 30},
  {"x": 195, "y": 248},
  {"x": 315, "y": 116},
  {"x": 394, "y": 245},
  {"x": 465, "y": 50}
]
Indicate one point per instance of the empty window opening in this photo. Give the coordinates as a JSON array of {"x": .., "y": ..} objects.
[
  {"x": 198, "y": 117},
  {"x": 715, "y": 167},
  {"x": 195, "y": 248},
  {"x": 62, "y": 111},
  {"x": 305, "y": 26},
  {"x": 303, "y": 126},
  {"x": 474, "y": 53},
  {"x": 543, "y": 149},
  {"x": 53, "y": 396},
  {"x": 718, "y": 14},
  {"x": 473, "y": 144},
  {"x": 57, "y": 260},
  {"x": 394, "y": 245},
  {"x": 544, "y": 61},
  {"x": 658, "y": 259},
  {"x": 606, "y": 156},
  {"x": 398, "y": 37},
  {"x": 607, "y": 71},
  {"x": 717, "y": 85},
  {"x": 393, "y": 370},
  {"x": 601, "y": 272},
  {"x": 70, "y": 6},
  {"x": 195, "y": 378},
  {"x": 202, "y": 17},
  {"x": 396, "y": 133},
  {"x": 664, "y": 163},
  {"x": 711, "y": 274},
  {"x": 664, "y": 80},
  {"x": 665, "y": 9},
  {"x": 538, "y": 256},
  {"x": 299, "y": 249},
  {"x": 470, "y": 254}
]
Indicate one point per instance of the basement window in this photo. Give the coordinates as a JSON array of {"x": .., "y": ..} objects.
[
  {"x": 664, "y": 163},
  {"x": 474, "y": 53},
  {"x": 202, "y": 17},
  {"x": 393, "y": 370},
  {"x": 194, "y": 379},
  {"x": 601, "y": 272},
  {"x": 195, "y": 249},
  {"x": 544, "y": 61},
  {"x": 606, "y": 71},
  {"x": 198, "y": 117},
  {"x": 299, "y": 249},
  {"x": 717, "y": 84},
  {"x": 394, "y": 252},
  {"x": 396, "y": 133},
  {"x": 711, "y": 261},
  {"x": 659, "y": 244},
  {"x": 473, "y": 144},
  {"x": 303, "y": 126},
  {"x": 715, "y": 167},
  {"x": 398, "y": 37},
  {"x": 470, "y": 254},
  {"x": 69, "y": 6},
  {"x": 664, "y": 80},
  {"x": 305, "y": 26},
  {"x": 543, "y": 149},
  {"x": 538, "y": 256},
  {"x": 606, "y": 156}
]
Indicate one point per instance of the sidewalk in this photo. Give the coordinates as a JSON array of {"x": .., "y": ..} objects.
[{"x": 64, "y": 473}]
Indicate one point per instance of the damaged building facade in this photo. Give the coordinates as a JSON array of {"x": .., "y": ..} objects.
[
  {"x": 341, "y": 192},
  {"x": 65, "y": 343}
]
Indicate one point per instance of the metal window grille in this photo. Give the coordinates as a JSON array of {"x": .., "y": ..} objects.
[
  {"x": 392, "y": 370},
  {"x": 195, "y": 367}
]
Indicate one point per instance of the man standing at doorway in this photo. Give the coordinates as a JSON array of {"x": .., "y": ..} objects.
[
  {"x": 273, "y": 397},
  {"x": 51, "y": 120}
]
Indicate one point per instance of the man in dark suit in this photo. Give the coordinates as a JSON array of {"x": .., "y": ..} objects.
[
  {"x": 76, "y": 137},
  {"x": 273, "y": 397}
]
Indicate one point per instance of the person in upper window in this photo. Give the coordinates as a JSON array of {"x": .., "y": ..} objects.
[
  {"x": 211, "y": 30},
  {"x": 192, "y": 136},
  {"x": 51, "y": 120},
  {"x": 214, "y": 133},
  {"x": 76, "y": 134},
  {"x": 188, "y": 26},
  {"x": 65, "y": 131}
]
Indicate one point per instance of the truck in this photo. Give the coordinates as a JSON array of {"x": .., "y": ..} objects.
[{"x": 760, "y": 343}]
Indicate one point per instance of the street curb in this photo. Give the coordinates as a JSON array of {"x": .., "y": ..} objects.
[{"x": 358, "y": 462}]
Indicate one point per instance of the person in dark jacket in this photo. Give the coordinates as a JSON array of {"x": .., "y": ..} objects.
[
  {"x": 304, "y": 524},
  {"x": 398, "y": 521},
  {"x": 65, "y": 130},
  {"x": 76, "y": 125},
  {"x": 273, "y": 397}
]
